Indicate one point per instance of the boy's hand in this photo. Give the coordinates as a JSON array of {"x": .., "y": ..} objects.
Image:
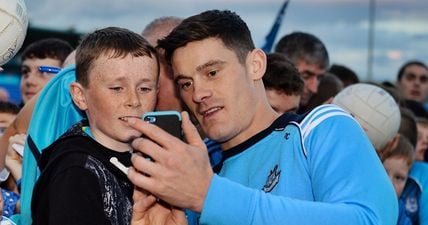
[
  {"x": 148, "y": 211},
  {"x": 180, "y": 173}
]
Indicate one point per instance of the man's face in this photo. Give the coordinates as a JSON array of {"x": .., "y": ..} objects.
[
  {"x": 118, "y": 88},
  {"x": 311, "y": 74},
  {"x": 414, "y": 83},
  {"x": 218, "y": 89},
  {"x": 32, "y": 80},
  {"x": 282, "y": 102},
  {"x": 397, "y": 169}
]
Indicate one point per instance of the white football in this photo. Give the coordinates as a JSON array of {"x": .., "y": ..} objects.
[
  {"x": 375, "y": 110},
  {"x": 13, "y": 28}
]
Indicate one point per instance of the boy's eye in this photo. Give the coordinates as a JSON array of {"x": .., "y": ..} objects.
[
  {"x": 116, "y": 88},
  {"x": 144, "y": 89}
]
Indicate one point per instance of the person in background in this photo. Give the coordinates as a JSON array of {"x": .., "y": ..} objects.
[
  {"x": 397, "y": 163},
  {"x": 328, "y": 87},
  {"x": 168, "y": 98},
  {"x": 283, "y": 84},
  {"x": 310, "y": 56},
  {"x": 9, "y": 195},
  {"x": 412, "y": 82},
  {"x": 345, "y": 74},
  {"x": 40, "y": 61}
]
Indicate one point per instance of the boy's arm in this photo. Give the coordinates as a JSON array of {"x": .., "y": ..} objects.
[{"x": 349, "y": 186}]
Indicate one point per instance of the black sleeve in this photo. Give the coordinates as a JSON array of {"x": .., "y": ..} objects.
[{"x": 75, "y": 198}]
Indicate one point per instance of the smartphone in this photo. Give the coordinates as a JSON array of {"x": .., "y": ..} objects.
[{"x": 170, "y": 121}]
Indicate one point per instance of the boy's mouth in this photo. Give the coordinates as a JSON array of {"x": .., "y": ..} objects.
[{"x": 125, "y": 118}]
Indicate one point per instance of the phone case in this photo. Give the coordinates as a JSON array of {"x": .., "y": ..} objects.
[{"x": 169, "y": 121}]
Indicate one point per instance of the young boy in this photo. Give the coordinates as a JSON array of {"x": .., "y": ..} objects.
[
  {"x": 117, "y": 78},
  {"x": 397, "y": 163},
  {"x": 40, "y": 61}
]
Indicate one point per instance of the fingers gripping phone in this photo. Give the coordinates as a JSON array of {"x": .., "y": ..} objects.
[{"x": 170, "y": 121}]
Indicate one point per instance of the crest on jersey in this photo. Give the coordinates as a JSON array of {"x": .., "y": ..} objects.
[{"x": 272, "y": 180}]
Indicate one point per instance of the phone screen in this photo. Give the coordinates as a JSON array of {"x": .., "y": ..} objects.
[{"x": 170, "y": 121}]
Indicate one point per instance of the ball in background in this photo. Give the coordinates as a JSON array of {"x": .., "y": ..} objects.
[
  {"x": 13, "y": 28},
  {"x": 374, "y": 108}
]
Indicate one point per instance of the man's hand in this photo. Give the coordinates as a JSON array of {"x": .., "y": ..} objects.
[
  {"x": 180, "y": 173},
  {"x": 148, "y": 211}
]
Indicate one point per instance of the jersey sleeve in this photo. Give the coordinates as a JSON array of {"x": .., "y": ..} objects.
[
  {"x": 76, "y": 198},
  {"x": 348, "y": 181}
]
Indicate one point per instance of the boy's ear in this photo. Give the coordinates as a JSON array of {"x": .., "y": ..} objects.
[
  {"x": 77, "y": 93},
  {"x": 257, "y": 63}
]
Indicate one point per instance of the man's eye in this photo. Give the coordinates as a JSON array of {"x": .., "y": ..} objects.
[
  {"x": 185, "y": 85},
  {"x": 212, "y": 73}
]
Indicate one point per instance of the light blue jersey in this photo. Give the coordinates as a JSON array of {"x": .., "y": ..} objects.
[
  {"x": 419, "y": 173},
  {"x": 322, "y": 170}
]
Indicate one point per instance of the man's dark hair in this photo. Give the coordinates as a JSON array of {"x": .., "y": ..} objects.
[
  {"x": 47, "y": 48},
  {"x": 113, "y": 41},
  {"x": 407, "y": 64},
  {"x": 282, "y": 75},
  {"x": 225, "y": 25},
  {"x": 299, "y": 46}
]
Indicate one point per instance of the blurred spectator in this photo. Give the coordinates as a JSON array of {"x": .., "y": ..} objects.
[
  {"x": 345, "y": 74},
  {"x": 283, "y": 83},
  {"x": 412, "y": 81},
  {"x": 329, "y": 86},
  {"x": 310, "y": 57},
  {"x": 40, "y": 61},
  {"x": 4, "y": 95}
]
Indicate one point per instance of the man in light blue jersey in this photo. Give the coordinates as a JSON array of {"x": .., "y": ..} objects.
[{"x": 320, "y": 169}]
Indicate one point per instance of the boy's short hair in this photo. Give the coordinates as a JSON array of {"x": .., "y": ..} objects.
[
  {"x": 9, "y": 107},
  {"x": 282, "y": 75},
  {"x": 299, "y": 46},
  {"x": 224, "y": 25},
  {"x": 403, "y": 149},
  {"x": 53, "y": 48},
  {"x": 113, "y": 41}
]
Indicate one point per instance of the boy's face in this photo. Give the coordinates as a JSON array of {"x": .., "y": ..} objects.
[
  {"x": 5, "y": 120},
  {"x": 398, "y": 170},
  {"x": 32, "y": 80},
  {"x": 282, "y": 102},
  {"x": 218, "y": 89},
  {"x": 118, "y": 88}
]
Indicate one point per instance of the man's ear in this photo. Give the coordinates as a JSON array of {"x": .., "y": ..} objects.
[
  {"x": 257, "y": 63},
  {"x": 77, "y": 93}
]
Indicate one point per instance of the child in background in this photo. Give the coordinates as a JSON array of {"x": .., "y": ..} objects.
[{"x": 397, "y": 163}]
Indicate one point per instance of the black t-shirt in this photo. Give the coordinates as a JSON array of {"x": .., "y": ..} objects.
[{"x": 79, "y": 185}]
